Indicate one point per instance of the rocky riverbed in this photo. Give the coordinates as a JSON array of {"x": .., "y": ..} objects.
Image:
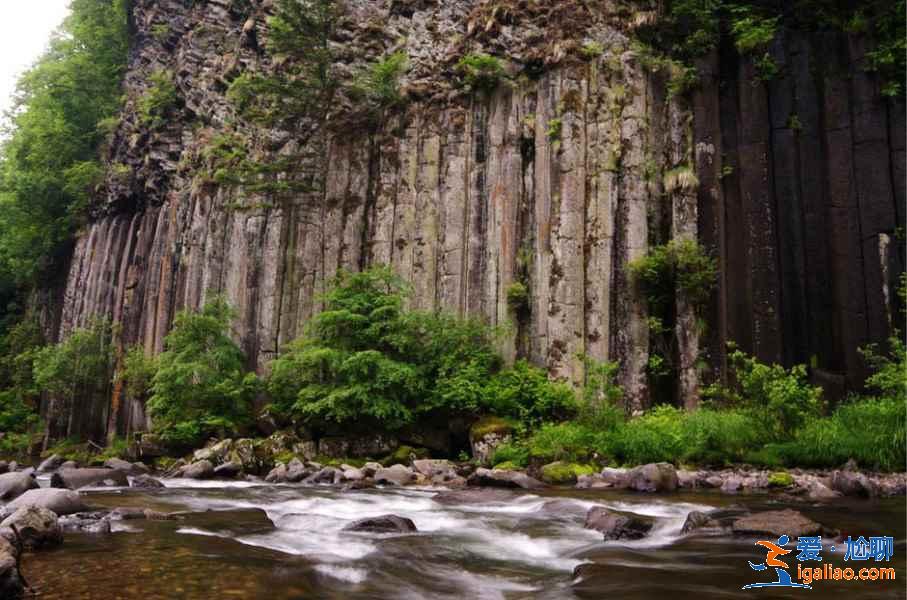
[{"x": 427, "y": 529}]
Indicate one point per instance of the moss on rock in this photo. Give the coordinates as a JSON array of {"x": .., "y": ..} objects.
[{"x": 563, "y": 473}]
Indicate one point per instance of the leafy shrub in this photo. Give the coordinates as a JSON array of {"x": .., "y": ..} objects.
[
  {"x": 569, "y": 442},
  {"x": 518, "y": 296},
  {"x": 159, "y": 99},
  {"x": 752, "y": 31},
  {"x": 138, "y": 372},
  {"x": 200, "y": 387},
  {"x": 681, "y": 264},
  {"x": 781, "y": 399},
  {"x": 513, "y": 453},
  {"x": 481, "y": 72},
  {"x": 525, "y": 393}
]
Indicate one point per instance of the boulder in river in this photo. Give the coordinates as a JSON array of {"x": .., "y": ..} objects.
[
  {"x": 394, "y": 475},
  {"x": 383, "y": 524},
  {"x": 297, "y": 471},
  {"x": 70, "y": 464},
  {"x": 13, "y": 485},
  {"x": 10, "y": 585},
  {"x": 38, "y": 527},
  {"x": 146, "y": 482},
  {"x": 653, "y": 477},
  {"x": 228, "y": 470},
  {"x": 74, "y": 479},
  {"x": 201, "y": 469},
  {"x": 90, "y": 522},
  {"x": 506, "y": 479},
  {"x": 853, "y": 483},
  {"x": 777, "y": 523},
  {"x": 324, "y": 475},
  {"x": 435, "y": 468},
  {"x": 51, "y": 463},
  {"x": 475, "y": 496},
  {"x": 62, "y": 502},
  {"x": 616, "y": 526},
  {"x": 126, "y": 466}
]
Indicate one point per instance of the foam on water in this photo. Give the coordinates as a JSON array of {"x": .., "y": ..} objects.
[{"x": 310, "y": 521}]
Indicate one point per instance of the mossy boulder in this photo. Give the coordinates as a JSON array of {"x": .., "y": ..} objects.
[
  {"x": 780, "y": 479},
  {"x": 490, "y": 425},
  {"x": 507, "y": 466},
  {"x": 562, "y": 473},
  {"x": 486, "y": 435}
]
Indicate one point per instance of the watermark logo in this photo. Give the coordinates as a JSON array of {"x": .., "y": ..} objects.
[{"x": 809, "y": 550}]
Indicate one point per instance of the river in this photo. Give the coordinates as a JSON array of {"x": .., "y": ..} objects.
[{"x": 245, "y": 540}]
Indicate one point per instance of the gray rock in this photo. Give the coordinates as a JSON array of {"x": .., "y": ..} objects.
[
  {"x": 394, "y": 475},
  {"x": 475, "y": 496},
  {"x": 298, "y": 471},
  {"x": 777, "y": 523},
  {"x": 126, "y": 466},
  {"x": 202, "y": 469},
  {"x": 353, "y": 474},
  {"x": 616, "y": 526},
  {"x": 228, "y": 470},
  {"x": 96, "y": 522},
  {"x": 592, "y": 482},
  {"x": 62, "y": 502},
  {"x": 51, "y": 463},
  {"x": 616, "y": 477},
  {"x": 13, "y": 485},
  {"x": 695, "y": 520},
  {"x": 70, "y": 464},
  {"x": 11, "y": 587},
  {"x": 506, "y": 479},
  {"x": 732, "y": 484},
  {"x": 383, "y": 524},
  {"x": 38, "y": 527},
  {"x": 146, "y": 482},
  {"x": 853, "y": 483},
  {"x": 653, "y": 477},
  {"x": 216, "y": 453},
  {"x": 74, "y": 479},
  {"x": 435, "y": 468},
  {"x": 370, "y": 468},
  {"x": 324, "y": 475},
  {"x": 277, "y": 475}
]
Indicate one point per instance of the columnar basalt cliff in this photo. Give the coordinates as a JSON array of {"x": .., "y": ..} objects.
[{"x": 554, "y": 180}]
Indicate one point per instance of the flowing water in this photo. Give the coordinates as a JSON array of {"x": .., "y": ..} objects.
[{"x": 243, "y": 540}]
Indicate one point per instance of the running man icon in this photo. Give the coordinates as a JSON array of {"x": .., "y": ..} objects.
[{"x": 771, "y": 560}]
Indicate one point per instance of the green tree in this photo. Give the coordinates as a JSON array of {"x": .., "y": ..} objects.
[
  {"x": 78, "y": 367},
  {"x": 201, "y": 386},
  {"x": 49, "y": 162}
]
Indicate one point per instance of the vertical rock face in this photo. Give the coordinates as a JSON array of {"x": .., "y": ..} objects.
[
  {"x": 802, "y": 187},
  {"x": 552, "y": 181}
]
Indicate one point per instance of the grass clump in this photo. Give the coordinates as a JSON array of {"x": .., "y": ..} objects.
[
  {"x": 481, "y": 72},
  {"x": 380, "y": 83},
  {"x": 159, "y": 100}
]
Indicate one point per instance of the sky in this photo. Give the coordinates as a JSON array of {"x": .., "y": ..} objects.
[{"x": 25, "y": 29}]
